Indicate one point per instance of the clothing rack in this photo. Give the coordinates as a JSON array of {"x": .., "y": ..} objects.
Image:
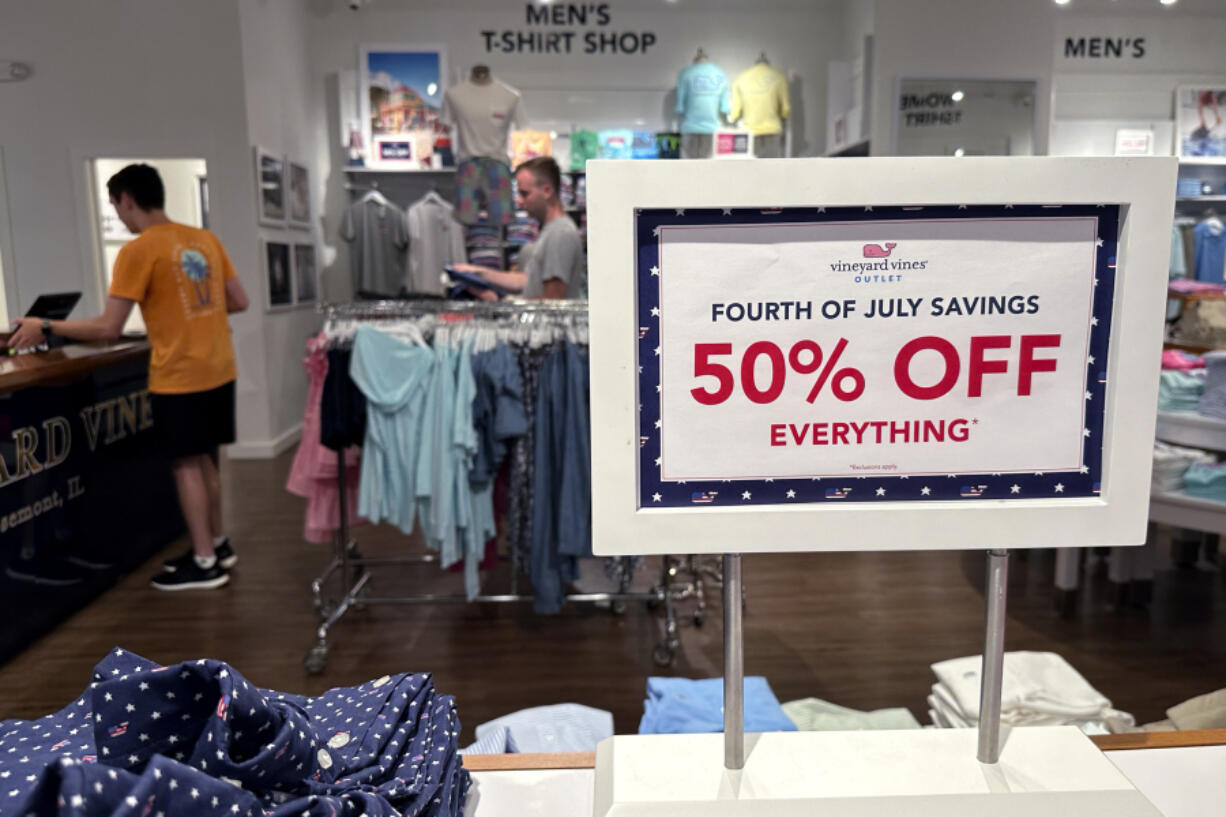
[{"x": 350, "y": 566}]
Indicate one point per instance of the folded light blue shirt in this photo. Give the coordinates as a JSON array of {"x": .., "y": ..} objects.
[{"x": 686, "y": 706}]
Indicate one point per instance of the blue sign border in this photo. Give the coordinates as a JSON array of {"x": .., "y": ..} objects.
[{"x": 655, "y": 493}]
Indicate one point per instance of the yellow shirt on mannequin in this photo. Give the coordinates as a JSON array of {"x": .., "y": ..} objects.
[
  {"x": 760, "y": 99},
  {"x": 178, "y": 276}
]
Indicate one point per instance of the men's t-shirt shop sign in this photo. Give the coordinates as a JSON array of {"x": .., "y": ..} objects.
[{"x": 568, "y": 28}]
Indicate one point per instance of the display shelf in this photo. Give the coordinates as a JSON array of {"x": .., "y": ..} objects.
[
  {"x": 1183, "y": 511},
  {"x": 1202, "y": 160},
  {"x": 1201, "y": 198},
  {"x": 1192, "y": 429},
  {"x": 399, "y": 171}
]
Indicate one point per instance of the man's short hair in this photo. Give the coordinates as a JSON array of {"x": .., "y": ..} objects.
[
  {"x": 142, "y": 183},
  {"x": 545, "y": 170}
]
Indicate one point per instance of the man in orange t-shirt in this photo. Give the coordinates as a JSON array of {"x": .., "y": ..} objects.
[{"x": 186, "y": 288}]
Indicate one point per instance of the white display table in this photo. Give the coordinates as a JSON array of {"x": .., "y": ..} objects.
[{"x": 1180, "y": 780}]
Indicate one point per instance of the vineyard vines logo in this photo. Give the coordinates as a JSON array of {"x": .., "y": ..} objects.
[{"x": 879, "y": 264}]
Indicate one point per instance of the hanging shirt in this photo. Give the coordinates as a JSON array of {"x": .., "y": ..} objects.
[
  {"x": 528, "y": 144},
  {"x": 760, "y": 98},
  {"x": 616, "y": 144},
  {"x": 436, "y": 239},
  {"x": 557, "y": 254},
  {"x": 482, "y": 116},
  {"x": 394, "y": 376},
  {"x": 702, "y": 95},
  {"x": 375, "y": 230},
  {"x": 645, "y": 146},
  {"x": 1210, "y": 250},
  {"x": 1179, "y": 264},
  {"x": 584, "y": 145}
]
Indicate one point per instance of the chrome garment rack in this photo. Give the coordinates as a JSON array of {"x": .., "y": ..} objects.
[{"x": 349, "y": 566}]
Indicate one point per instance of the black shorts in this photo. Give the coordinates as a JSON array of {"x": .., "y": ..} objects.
[{"x": 195, "y": 422}]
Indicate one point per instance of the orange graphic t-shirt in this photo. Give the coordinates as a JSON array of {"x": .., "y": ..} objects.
[{"x": 178, "y": 276}]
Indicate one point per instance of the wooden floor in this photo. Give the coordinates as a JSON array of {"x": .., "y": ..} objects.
[{"x": 856, "y": 629}]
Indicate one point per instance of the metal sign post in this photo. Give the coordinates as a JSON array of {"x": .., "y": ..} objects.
[
  {"x": 991, "y": 679},
  {"x": 734, "y": 665}
]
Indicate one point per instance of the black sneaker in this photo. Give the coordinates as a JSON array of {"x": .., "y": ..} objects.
[
  {"x": 48, "y": 572},
  {"x": 226, "y": 557},
  {"x": 191, "y": 577}
]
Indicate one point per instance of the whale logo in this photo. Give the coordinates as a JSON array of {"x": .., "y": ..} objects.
[{"x": 878, "y": 251}]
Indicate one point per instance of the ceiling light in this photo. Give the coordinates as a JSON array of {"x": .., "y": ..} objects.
[
  {"x": 959, "y": 152},
  {"x": 957, "y": 96},
  {"x": 1061, "y": 2},
  {"x": 1168, "y": 2},
  {"x": 432, "y": 89}
]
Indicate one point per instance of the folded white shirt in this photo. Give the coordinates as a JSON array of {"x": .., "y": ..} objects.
[{"x": 1035, "y": 684}]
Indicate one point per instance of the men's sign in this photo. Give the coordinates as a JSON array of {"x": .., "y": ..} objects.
[
  {"x": 873, "y": 354},
  {"x": 898, "y": 353}
]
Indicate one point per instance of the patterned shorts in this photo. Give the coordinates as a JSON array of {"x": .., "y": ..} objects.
[{"x": 484, "y": 184}]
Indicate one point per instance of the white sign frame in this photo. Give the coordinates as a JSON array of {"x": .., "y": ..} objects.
[{"x": 1145, "y": 187}]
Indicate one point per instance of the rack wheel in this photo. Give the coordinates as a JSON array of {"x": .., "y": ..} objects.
[
  {"x": 653, "y": 603},
  {"x": 618, "y": 608},
  {"x": 662, "y": 655},
  {"x": 699, "y": 618},
  {"x": 316, "y": 659}
]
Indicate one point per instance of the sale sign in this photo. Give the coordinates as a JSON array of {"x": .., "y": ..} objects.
[{"x": 872, "y": 354}]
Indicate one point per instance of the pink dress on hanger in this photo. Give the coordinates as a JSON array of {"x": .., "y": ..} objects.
[{"x": 313, "y": 473}]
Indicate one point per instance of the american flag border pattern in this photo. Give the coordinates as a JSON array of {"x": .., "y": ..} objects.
[{"x": 654, "y": 493}]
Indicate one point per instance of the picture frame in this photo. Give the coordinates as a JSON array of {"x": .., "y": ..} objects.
[
  {"x": 306, "y": 274},
  {"x": 270, "y": 187},
  {"x": 298, "y": 195},
  {"x": 400, "y": 96},
  {"x": 1200, "y": 122},
  {"x": 278, "y": 274}
]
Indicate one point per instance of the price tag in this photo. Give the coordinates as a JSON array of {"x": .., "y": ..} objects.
[{"x": 873, "y": 354}]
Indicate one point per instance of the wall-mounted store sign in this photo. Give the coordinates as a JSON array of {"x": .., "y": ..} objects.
[
  {"x": 873, "y": 355},
  {"x": 567, "y": 28},
  {"x": 1104, "y": 48}
]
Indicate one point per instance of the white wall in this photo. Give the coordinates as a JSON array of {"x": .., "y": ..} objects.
[
  {"x": 284, "y": 107},
  {"x": 798, "y": 36},
  {"x": 959, "y": 39},
  {"x": 1181, "y": 47}
]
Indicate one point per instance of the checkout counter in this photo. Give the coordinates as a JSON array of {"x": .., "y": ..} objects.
[{"x": 84, "y": 494}]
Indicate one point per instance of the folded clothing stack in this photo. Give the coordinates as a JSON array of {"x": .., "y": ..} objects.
[
  {"x": 1038, "y": 689},
  {"x": 1206, "y": 480},
  {"x": 1180, "y": 390},
  {"x": 685, "y": 706},
  {"x": 543, "y": 730},
  {"x": 1171, "y": 462},
  {"x": 1213, "y": 401},
  {"x": 1206, "y": 711},
  {"x": 1179, "y": 359},
  {"x": 197, "y": 738},
  {"x": 816, "y": 715}
]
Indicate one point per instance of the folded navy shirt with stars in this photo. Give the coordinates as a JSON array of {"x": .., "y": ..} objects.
[{"x": 196, "y": 738}]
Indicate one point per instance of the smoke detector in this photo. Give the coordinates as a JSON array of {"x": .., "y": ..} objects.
[{"x": 12, "y": 71}]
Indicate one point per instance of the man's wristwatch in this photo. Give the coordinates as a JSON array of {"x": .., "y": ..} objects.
[{"x": 46, "y": 327}]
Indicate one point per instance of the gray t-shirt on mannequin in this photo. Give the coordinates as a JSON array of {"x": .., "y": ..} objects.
[{"x": 556, "y": 253}]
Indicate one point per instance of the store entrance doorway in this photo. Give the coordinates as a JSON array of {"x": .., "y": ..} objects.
[{"x": 187, "y": 202}]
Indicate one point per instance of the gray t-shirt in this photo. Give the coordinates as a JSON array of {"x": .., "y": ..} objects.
[
  {"x": 556, "y": 253},
  {"x": 482, "y": 115},
  {"x": 378, "y": 238}
]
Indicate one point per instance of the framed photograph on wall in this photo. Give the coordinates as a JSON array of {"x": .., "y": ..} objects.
[
  {"x": 299, "y": 190},
  {"x": 278, "y": 274},
  {"x": 306, "y": 276},
  {"x": 400, "y": 93},
  {"x": 1200, "y": 122},
  {"x": 270, "y": 187}
]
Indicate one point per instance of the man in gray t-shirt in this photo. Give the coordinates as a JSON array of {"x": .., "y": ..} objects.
[{"x": 553, "y": 266}]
